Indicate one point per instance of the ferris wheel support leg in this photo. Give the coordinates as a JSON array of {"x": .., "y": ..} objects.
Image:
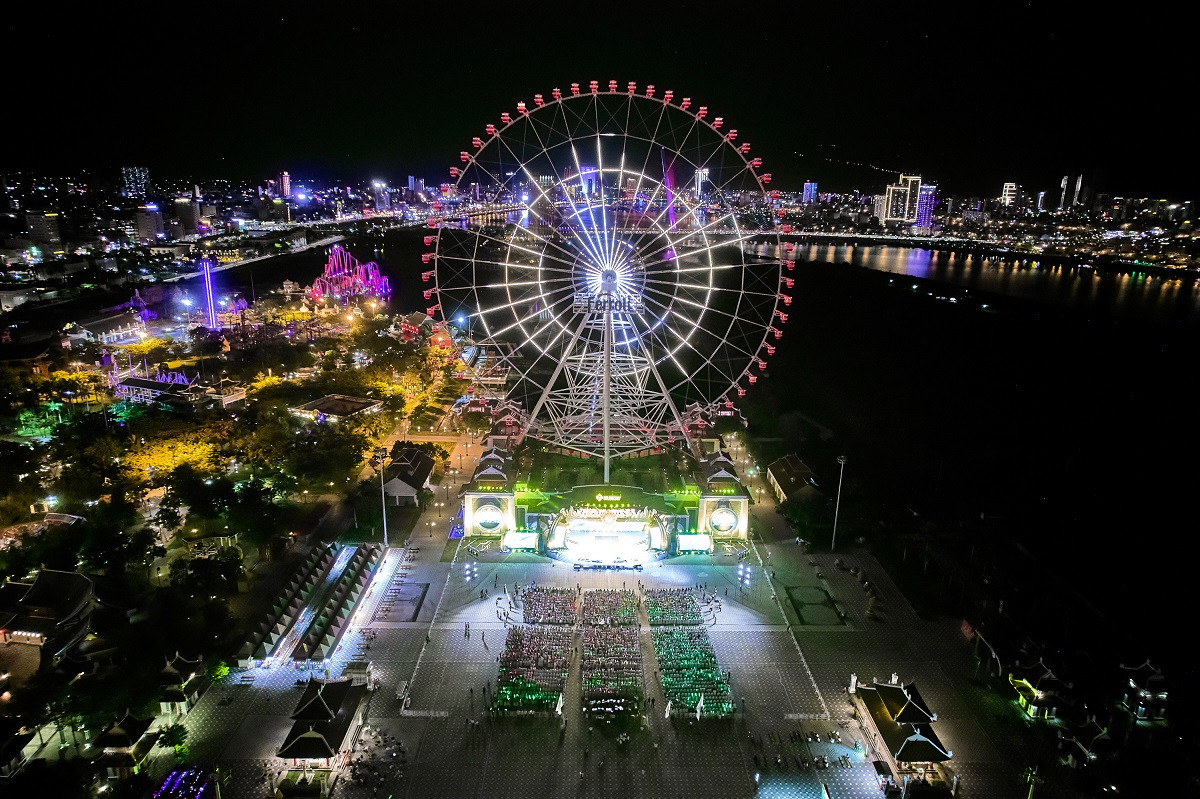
[
  {"x": 607, "y": 382},
  {"x": 553, "y": 377},
  {"x": 662, "y": 386}
]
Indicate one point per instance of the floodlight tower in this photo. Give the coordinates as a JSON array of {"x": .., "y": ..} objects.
[{"x": 841, "y": 459}]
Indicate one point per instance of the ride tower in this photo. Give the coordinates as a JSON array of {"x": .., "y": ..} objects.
[{"x": 616, "y": 298}]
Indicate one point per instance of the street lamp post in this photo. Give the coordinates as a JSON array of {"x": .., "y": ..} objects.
[
  {"x": 838, "y": 504},
  {"x": 381, "y": 453}
]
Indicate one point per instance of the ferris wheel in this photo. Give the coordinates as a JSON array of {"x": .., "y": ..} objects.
[{"x": 596, "y": 246}]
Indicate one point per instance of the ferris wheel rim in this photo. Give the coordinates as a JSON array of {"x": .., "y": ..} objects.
[{"x": 725, "y": 143}]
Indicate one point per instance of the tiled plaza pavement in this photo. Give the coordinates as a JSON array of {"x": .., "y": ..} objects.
[{"x": 791, "y": 676}]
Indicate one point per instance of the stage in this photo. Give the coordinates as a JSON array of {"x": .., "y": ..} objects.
[{"x": 607, "y": 537}]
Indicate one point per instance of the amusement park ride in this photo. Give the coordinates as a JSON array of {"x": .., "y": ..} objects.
[
  {"x": 611, "y": 263},
  {"x": 345, "y": 278}
]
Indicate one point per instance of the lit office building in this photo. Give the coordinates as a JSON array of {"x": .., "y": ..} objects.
[
  {"x": 902, "y": 199},
  {"x": 149, "y": 223},
  {"x": 43, "y": 227},
  {"x": 135, "y": 181},
  {"x": 188, "y": 212},
  {"x": 926, "y": 200}
]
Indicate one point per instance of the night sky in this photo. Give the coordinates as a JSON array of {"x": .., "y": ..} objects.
[{"x": 967, "y": 94}]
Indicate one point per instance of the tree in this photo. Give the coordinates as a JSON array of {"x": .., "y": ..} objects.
[
  {"x": 172, "y": 736},
  {"x": 168, "y": 517},
  {"x": 216, "y": 670}
]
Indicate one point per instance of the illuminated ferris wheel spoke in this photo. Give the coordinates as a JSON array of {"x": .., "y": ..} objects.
[
  {"x": 589, "y": 243},
  {"x": 705, "y": 359},
  {"x": 519, "y": 321},
  {"x": 672, "y": 244},
  {"x": 702, "y": 306},
  {"x": 509, "y": 245}
]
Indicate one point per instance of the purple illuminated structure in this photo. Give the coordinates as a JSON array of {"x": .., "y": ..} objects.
[
  {"x": 345, "y": 277},
  {"x": 210, "y": 306},
  {"x": 669, "y": 186},
  {"x": 926, "y": 200},
  {"x": 184, "y": 784}
]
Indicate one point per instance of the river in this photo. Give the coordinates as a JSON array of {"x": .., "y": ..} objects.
[
  {"x": 398, "y": 253},
  {"x": 1074, "y": 287}
]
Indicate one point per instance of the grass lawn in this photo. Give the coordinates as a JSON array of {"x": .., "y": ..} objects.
[
  {"x": 554, "y": 473},
  {"x": 401, "y": 521},
  {"x": 448, "y": 551}
]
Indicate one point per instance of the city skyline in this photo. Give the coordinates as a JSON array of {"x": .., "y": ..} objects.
[{"x": 1025, "y": 98}]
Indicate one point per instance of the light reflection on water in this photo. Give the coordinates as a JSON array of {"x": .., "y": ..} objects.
[{"x": 1138, "y": 296}]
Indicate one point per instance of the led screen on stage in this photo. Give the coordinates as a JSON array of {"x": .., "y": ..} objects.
[
  {"x": 693, "y": 543},
  {"x": 516, "y": 540}
]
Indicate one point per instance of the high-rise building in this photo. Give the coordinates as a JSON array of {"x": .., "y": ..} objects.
[
  {"x": 584, "y": 185},
  {"x": 43, "y": 227},
  {"x": 810, "y": 192},
  {"x": 135, "y": 181},
  {"x": 383, "y": 200},
  {"x": 188, "y": 212},
  {"x": 926, "y": 200},
  {"x": 1078, "y": 189},
  {"x": 284, "y": 184},
  {"x": 902, "y": 199},
  {"x": 701, "y": 179},
  {"x": 913, "y": 184},
  {"x": 897, "y": 201},
  {"x": 1062, "y": 200},
  {"x": 149, "y": 223},
  {"x": 879, "y": 207},
  {"x": 1041, "y": 201},
  {"x": 1008, "y": 195}
]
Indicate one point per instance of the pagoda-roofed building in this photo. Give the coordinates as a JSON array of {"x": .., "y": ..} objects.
[
  {"x": 124, "y": 746},
  {"x": 1040, "y": 692},
  {"x": 327, "y": 719},
  {"x": 489, "y": 506},
  {"x": 904, "y": 703},
  {"x": 509, "y": 422},
  {"x": 1085, "y": 742},
  {"x": 792, "y": 480},
  {"x": 408, "y": 474},
  {"x": 724, "y": 508},
  {"x": 179, "y": 685},
  {"x": 336, "y": 407},
  {"x": 901, "y": 728},
  {"x": 52, "y": 613},
  {"x": 439, "y": 336},
  {"x": 415, "y": 325},
  {"x": 493, "y": 458},
  {"x": 1145, "y": 692}
]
